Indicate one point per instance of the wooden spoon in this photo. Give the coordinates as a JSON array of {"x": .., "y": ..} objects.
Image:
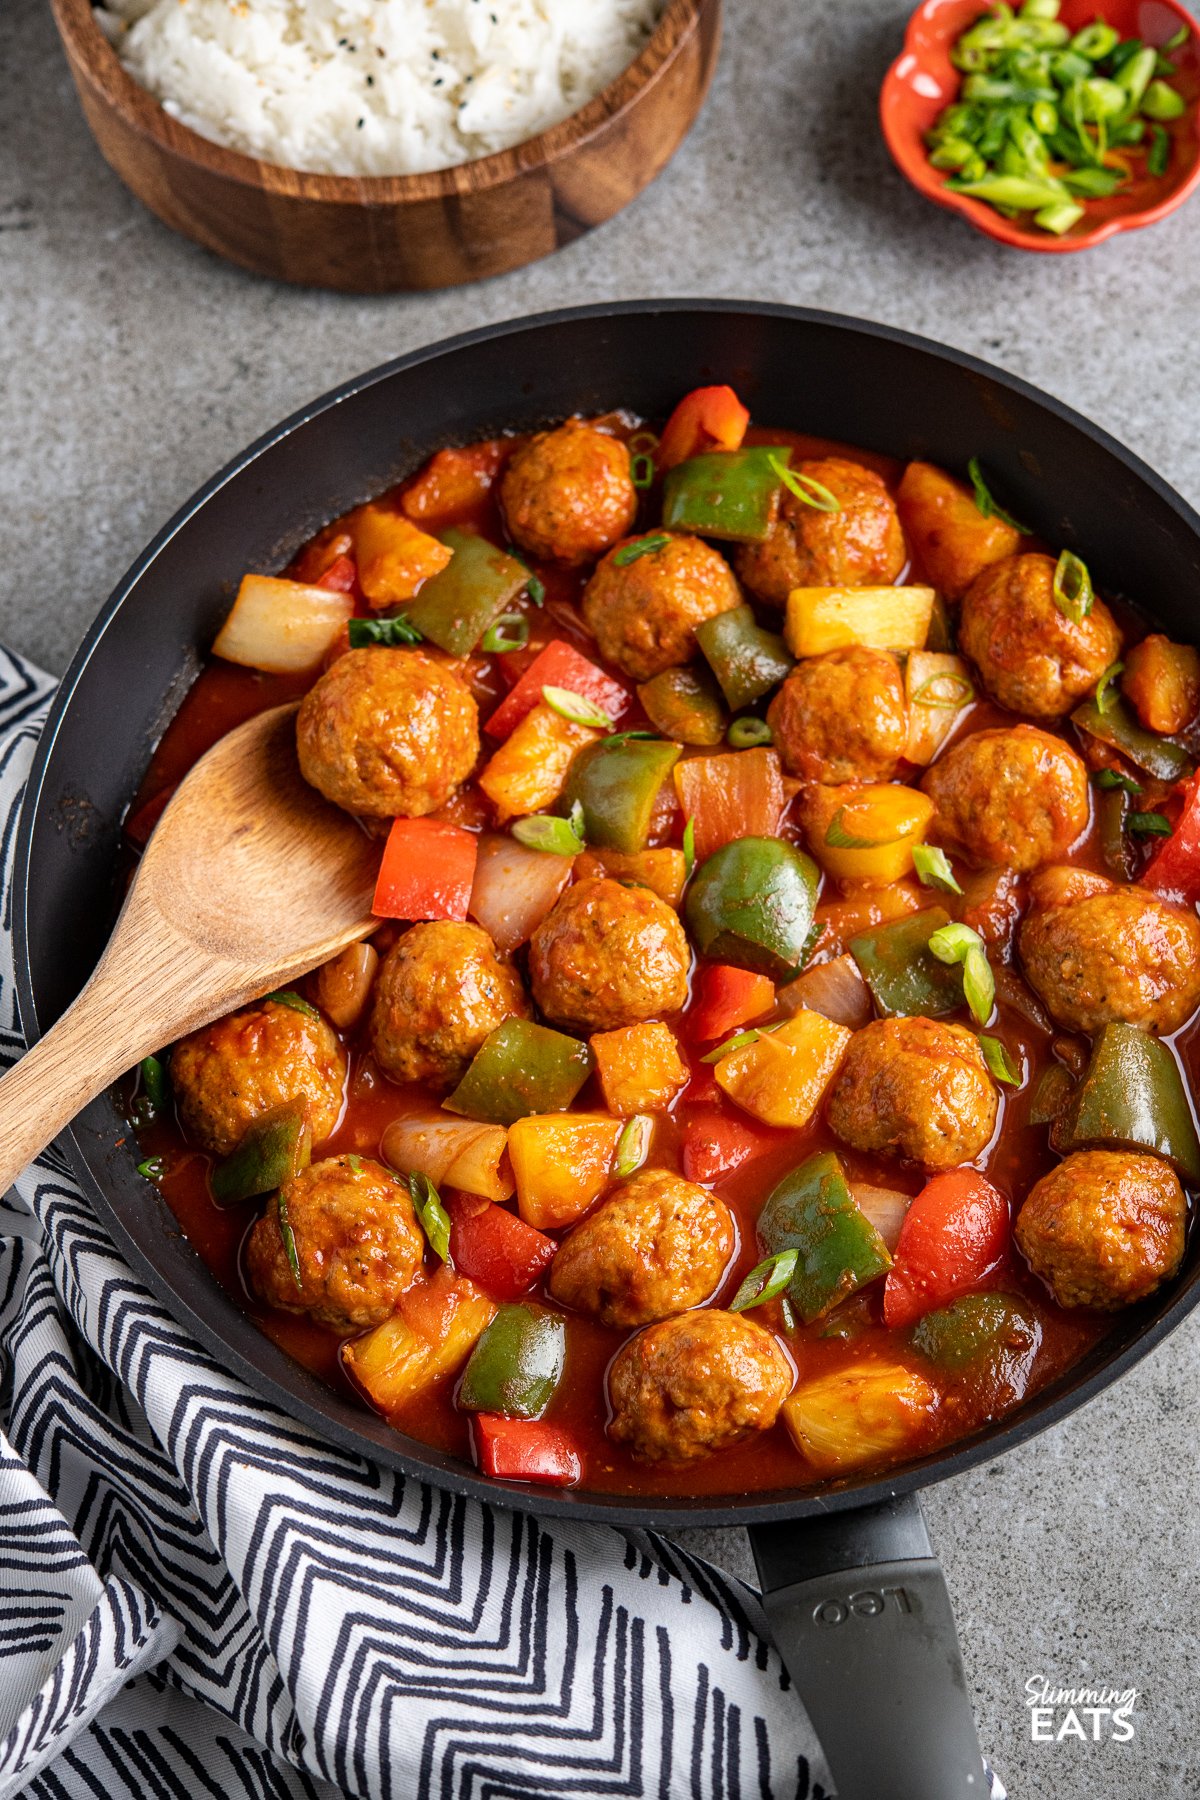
[{"x": 250, "y": 880}]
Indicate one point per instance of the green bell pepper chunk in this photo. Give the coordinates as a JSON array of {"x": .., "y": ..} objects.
[
  {"x": 903, "y": 974},
  {"x": 999, "y": 1327},
  {"x": 726, "y": 494},
  {"x": 1112, "y": 804},
  {"x": 751, "y": 904},
  {"x": 274, "y": 1148},
  {"x": 746, "y": 660},
  {"x": 520, "y": 1069},
  {"x": 685, "y": 704},
  {"x": 616, "y": 781},
  {"x": 458, "y": 604},
  {"x": 813, "y": 1211},
  {"x": 1131, "y": 1095},
  {"x": 1118, "y": 728},
  {"x": 516, "y": 1364},
  {"x": 1051, "y": 1095}
]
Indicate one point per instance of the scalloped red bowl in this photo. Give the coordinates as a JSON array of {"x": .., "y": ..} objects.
[{"x": 922, "y": 80}]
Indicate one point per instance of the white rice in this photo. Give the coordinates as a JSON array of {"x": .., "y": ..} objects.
[{"x": 375, "y": 87}]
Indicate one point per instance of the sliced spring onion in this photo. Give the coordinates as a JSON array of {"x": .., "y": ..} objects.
[
  {"x": 767, "y": 1281},
  {"x": 838, "y": 838},
  {"x": 572, "y": 706},
  {"x": 749, "y": 733},
  {"x": 1163, "y": 102},
  {"x": 959, "y": 944},
  {"x": 297, "y": 1002},
  {"x": 510, "y": 632},
  {"x": 557, "y": 837},
  {"x": 788, "y": 1314},
  {"x": 999, "y": 1062},
  {"x": 1107, "y": 779},
  {"x": 641, "y": 469},
  {"x": 1177, "y": 39},
  {"x": 363, "y": 632},
  {"x": 355, "y": 1164},
  {"x": 933, "y": 868},
  {"x": 643, "y": 546},
  {"x": 644, "y": 442},
  {"x": 1148, "y": 824},
  {"x": 804, "y": 488},
  {"x": 1060, "y": 217},
  {"x": 737, "y": 1042},
  {"x": 1106, "y": 694},
  {"x": 986, "y": 501},
  {"x": 433, "y": 1217},
  {"x": 633, "y": 1145},
  {"x": 689, "y": 847},
  {"x": 1073, "y": 590},
  {"x": 946, "y": 691},
  {"x": 154, "y": 1081},
  {"x": 1158, "y": 157},
  {"x": 289, "y": 1239},
  {"x": 151, "y": 1169}
]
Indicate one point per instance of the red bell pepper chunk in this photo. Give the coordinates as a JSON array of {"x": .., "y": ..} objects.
[
  {"x": 714, "y": 1146},
  {"x": 726, "y": 998},
  {"x": 341, "y": 575},
  {"x": 711, "y": 418},
  {"x": 428, "y": 871},
  {"x": 954, "y": 1233},
  {"x": 497, "y": 1250},
  {"x": 1174, "y": 869},
  {"x": 558, "y": 665},
  {"x": 526, "y": 1450}
]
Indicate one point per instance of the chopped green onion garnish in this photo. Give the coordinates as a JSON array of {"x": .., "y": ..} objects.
[
  {"x": 643, "y": 546},
  {"x": 355, "y": 1164},
  {"x": 1073, "y": 591},
  {"x": 689, "y": 847},
  {"x": 838, "y": 838},
  {"x": 746, "y": 734},
  {"x": 767, "y": 1281},
  {"x": 959, "y": 944},
  {"x": 510, "y": 632},
  {"x": 1060, "y": 217},
  {"x": 557, "y": 837},
  {"x": 572, "y": 706},
  {"x": 986, "y": 501},
  {"x": 392, "y": 632},
  {"x": 788, "y": 1314},
  {"x": 641, "y": 469},
  {"x": 1163, "y": 102},
  {"x": 1106, "y": 693},
  {"x": 999, "y": 1062},
  {"x": 737, "y": 1042},
  {"x": 434, "y": 1219},
  {"x": 154, "y": 1081},
  {"x": 297, "y": 1002},
  {"x": 1177, "y": 39},
  {"x": 289, "y": 1239},
  {"x": 633, "y": 1145},
  {"x": 933, "y": 868},
  {"x": 151, "y": 1169},
  {"x": 1148, "y": 824},
  {"x": 1107, "y": 779},
  {"x": 535, "y": 587},
  {"x": 804, "y": 488},
  {"x": 1158, "y": 157},
  {"x": 946, "y": 691}
]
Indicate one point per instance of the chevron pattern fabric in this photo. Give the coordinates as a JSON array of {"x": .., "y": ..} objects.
[{"x": 200, "y": 1598}]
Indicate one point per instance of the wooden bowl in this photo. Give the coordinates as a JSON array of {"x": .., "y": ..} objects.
[{"x": 376, "y": 234}]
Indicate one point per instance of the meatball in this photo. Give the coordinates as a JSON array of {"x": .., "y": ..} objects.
[
  {"x": 608, "y": 956},
  {"x": 1031, "y": 658},
  {"x": 644, "y": 614},
  {"x": 860, "y": 545},
  {"x": 697, "y": 1383},
  {"x": 1104, "y": 1228},
  {"x": 1015, "y": 797},
  {"x": 659, "y": 1246},
  {"x": 1116, "y": 953},
  {"x": 442, "y": 989},
  {"x": 270, "y": 1054},
  {"x": 916, "y": 1088},
  {"x": 389, "y": 733},
  {"x": 356, "y": 1240},
  {"x": 841, "y": 717},
  {"x": 568, "y": 494}
]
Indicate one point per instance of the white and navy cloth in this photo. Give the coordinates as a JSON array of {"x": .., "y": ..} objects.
[{"x": 199, "y": 1598}]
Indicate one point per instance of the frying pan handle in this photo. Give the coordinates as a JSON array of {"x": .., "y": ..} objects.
[{"x": 859, "y": 1610}]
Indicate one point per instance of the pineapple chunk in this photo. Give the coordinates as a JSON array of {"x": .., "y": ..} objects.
[
  {"x": 663, "y": 871},
  {"x": 951, "y": 539},
  {"x": 833, "y": 618},
  {"x": 640, "y": 1068},
  {"x": 527, "y": 773},
  {"x": 561, "y": 1162},
  {"x": 427, "y": 1341},
  {"x": 394, "y": 556},
  {"x": 781, "y": 1077},
  {"x": 851, "y": 1418},
  {"x": 866, "y": 834}
]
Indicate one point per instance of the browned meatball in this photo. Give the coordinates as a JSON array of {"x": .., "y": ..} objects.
[
  {"x": 861, "y": 545},
  {"x": 841, "y": 717},
  {"x": 568, "y": 494},
  {"x": 270, "y": 1054},
  {"x": 1030, "y": 656},
  {"x": 658, "y": 1246},
  {"x": 390, "y": 733},
  {"x": 1012, "y": 797},
  {"x": 1104, "y": 1228},
  {"x": 608, "y": 956},
  {"x": 698, "y": 1383},
  {"x": 1116, "y": 953},
  {"x": 916, "y": 1088},
  {"x": 644, "y": 614},
  {"x": 356, "y": 1238},
  {"x": 441, "y": 990}
]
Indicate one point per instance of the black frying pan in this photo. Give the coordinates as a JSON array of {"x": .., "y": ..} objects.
[{"x": 856, "y": 1600}]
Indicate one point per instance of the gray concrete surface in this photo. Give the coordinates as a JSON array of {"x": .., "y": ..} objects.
[{"x": 132, "y": 365}]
